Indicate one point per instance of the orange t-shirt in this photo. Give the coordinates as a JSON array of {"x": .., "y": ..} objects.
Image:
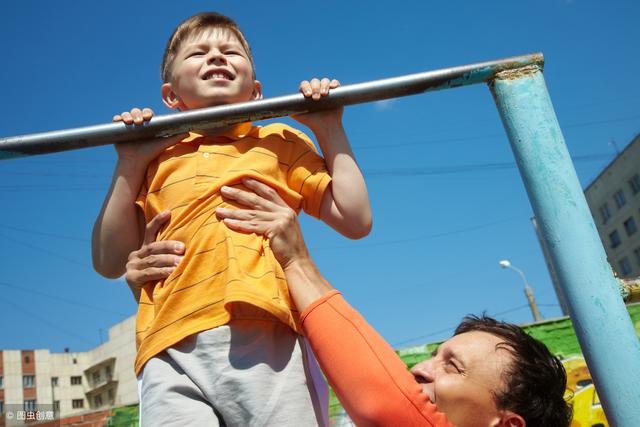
[
  {"x": 370, "y": 380},
  {"x": 221, "y": 266}
]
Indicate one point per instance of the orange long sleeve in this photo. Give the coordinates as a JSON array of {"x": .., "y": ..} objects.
[{"x": 370, "y": 380}]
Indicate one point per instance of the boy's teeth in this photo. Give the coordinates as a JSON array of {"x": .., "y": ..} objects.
[{"x": 217, "y": 76}]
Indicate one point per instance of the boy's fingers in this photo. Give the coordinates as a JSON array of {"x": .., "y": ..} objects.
[
  {"x": 315, "y": 88},
  {"x": 305, "y": 87},
  {"x": 136, "y": 113},
  {"x": 126, "y": 117},
  {"x": 324, "y": 86}
]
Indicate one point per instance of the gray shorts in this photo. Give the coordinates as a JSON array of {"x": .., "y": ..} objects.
[{"x": 254, "y": 371}]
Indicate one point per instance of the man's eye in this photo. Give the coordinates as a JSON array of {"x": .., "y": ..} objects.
[{"x": 454, "y": 366}]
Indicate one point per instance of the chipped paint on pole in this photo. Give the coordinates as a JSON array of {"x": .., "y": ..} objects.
[{"x": 601, "y": 321}]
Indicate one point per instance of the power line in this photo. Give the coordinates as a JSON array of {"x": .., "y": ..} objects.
[
  {"x": 48, "y": 252},
  {"x": 23, "y": 310},
  {"x": 441, "y": 331},
  {"x": 54, "y": 297},
  {"x": 418, "y": 238},
  {"x": 42, "y": 233}
]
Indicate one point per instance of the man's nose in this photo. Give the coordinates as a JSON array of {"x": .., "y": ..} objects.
[{"x": 424, "y": 371}]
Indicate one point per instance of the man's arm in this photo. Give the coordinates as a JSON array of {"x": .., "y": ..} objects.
[
  {"x": 345, "y": 205},
  {"x": 371, "y": 381}
]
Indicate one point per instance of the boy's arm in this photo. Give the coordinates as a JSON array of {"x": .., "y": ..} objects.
[
  {"x": 119, "y": 228},
  {"x": 345, "y": 204}
]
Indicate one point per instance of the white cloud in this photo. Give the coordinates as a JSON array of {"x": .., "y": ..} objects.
[{"x": 385, "y": 104}]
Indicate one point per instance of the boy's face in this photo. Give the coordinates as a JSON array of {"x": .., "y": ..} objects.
[{"x": 210, "y": 68}]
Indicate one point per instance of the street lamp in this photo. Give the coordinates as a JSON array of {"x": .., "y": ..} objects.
[{"x": 527, "y": 289}]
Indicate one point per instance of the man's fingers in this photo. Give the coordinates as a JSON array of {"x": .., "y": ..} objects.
[
  {"x": 165, "y": 247},
  {"x": 139, "y": 277},
  {"x": 245, "y": 198},
  {"x": 156, "y": 261},
  {"x": 117, "y": 118},
  {"x": 258, "y": 227},
  {"x": 154, "y": 225},
  {"x": 147, "y": 113},
  {"x": 263, "y": 190},
  {"x": 334, "y": 84}
]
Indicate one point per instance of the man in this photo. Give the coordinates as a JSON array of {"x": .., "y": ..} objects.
[{"x": 489, "y": 374}]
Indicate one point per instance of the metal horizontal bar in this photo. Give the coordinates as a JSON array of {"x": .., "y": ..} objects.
[{"x": 208, "y": 118}]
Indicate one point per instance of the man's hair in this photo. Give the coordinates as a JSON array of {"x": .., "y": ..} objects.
[
  {"x": 535, "y": 381},
  {"x": 200, "y": 22}
]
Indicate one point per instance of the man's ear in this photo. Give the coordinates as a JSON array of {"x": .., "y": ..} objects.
[
  {"x": 169, "y": 97},
  {"x": 509, "y": 419},
  {"x": 257, "y": 90}
]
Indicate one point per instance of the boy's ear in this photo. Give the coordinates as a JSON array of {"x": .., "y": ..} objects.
[
  {"x": 257, "y": 90},
  {"x": 169, "y": 97}
]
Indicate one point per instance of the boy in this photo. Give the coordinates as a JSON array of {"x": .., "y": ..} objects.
[{"x": 217, "y": 339}]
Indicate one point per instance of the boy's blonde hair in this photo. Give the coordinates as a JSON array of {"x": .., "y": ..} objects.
[{"x": 200, "y": 22}]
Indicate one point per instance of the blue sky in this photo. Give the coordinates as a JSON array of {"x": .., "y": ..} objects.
[{"x": 447, "y": 199}]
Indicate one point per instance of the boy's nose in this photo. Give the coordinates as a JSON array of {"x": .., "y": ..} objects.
[{"x": 216, "y": 56}]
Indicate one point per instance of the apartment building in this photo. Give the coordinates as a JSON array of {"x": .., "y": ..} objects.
[
  {"x": 71, "y": 383},
  {"x": 614, "y": 200}
]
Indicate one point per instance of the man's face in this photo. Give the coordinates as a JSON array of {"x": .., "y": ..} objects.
[
  {"x": 461, "y": 376},
  {"x": 210, "y": 68}
]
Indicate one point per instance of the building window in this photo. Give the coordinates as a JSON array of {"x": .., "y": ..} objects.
[
  {"x": 77, "y": 403},
  {"x": 1, "y": 382},
  {"x": 1, "y": 407},
  {"x": 604, "y": 212},
  {"x": 634, "y": 182},
  {"x": 30, "y": 405},
  {"x": 615, "y": 239},
  {"x": 76, "y": 380},
  {"x": 56, "y": 405},
  {"x": 54, "y": 381},
  {"x": 98, "y": 401},
  {"x": 96, "y": 377},
  {"x": 619, "y": 198},
  {"x": 75, "y": 361},
  {"x": 110, "y": 396},
  {"x": 630, "y": 226},
  {"x": 28, "y": 381},
  {"x": 625, "y": 266},
  {"x": 636, "y": 252},
  {"x": 27, "y": 359}
]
